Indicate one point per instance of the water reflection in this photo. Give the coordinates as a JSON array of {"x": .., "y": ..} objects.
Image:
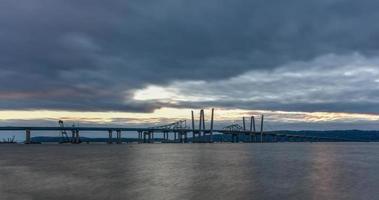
[
  {"x": 190, "y": 171},
  {"x": 324, "y": 174}
]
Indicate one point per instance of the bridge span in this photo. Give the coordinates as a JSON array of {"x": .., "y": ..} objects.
[{"x": 179, "y": 132}]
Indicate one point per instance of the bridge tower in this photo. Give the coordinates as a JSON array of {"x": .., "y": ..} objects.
[
  {"x": 262, "y": 117},
  {"x": 252, "y": 129}
]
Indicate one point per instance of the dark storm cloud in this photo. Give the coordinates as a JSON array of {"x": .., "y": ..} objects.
[{"x": 91, "y": 55}]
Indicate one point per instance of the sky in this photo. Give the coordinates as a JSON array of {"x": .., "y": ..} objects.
[{"x": 303, "y": 64}]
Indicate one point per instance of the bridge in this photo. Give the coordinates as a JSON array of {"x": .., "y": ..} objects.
[{"x": 179, "y": 132}]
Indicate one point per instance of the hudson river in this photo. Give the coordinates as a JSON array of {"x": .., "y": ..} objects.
[{"x": 190, "y": 171}]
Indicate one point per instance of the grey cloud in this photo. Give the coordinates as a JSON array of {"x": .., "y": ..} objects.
[
  {"x": 329, "y": 83},
  {"x": 97, "y": 52}
]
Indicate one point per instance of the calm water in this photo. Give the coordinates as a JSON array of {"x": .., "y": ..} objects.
[{"x": 190, "y": 171}]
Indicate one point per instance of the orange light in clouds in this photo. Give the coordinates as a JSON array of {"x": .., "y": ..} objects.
[{"x": 165, "y": 114}]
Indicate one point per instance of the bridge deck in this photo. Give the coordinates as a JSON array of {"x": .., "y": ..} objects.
[{"x": 159, "y": 130}]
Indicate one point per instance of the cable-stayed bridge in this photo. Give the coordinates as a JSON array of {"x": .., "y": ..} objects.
[{"x": 176, "y": 132}]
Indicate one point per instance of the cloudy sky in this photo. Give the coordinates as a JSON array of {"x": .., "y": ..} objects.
[{"x": 304, "y": 64}]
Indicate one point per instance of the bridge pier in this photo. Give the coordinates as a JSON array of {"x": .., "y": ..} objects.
[
  {"x": 76, "y": 137},
  {"x": 235, "y": 138},
  {"x": 139, "y": 136},
  {"x": 278, "y": 138},
  {"x": 260, "y": 139},
  {"x": 119, "y": 139},
  {"x": 182, "y": 137},
  {"x": 252, "y": 138},
  {"x": 207, "y": 136},
  {"x": 110, "y": 137},
  {"x": 27, "y": 137},
  {"x": 144, "y": 137},
  {"x": 165, "y": 136},
  {"x": 248, "y": 138},
  {"x": 196, "y": 136},
  {"x": 149, "y": 138},
  {"x": 266, "y": 138}
]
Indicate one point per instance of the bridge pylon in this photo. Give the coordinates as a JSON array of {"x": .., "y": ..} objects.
[{"x": 202, "y": 134}]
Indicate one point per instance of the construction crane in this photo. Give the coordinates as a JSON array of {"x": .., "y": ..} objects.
[
  {"x": 63, "y": 134},
  {"x": 8, "y": 140},
  {"x": 181, "y": 124}
]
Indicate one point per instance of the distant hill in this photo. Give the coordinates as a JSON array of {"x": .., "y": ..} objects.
[{"x": 357, "y": 135}]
